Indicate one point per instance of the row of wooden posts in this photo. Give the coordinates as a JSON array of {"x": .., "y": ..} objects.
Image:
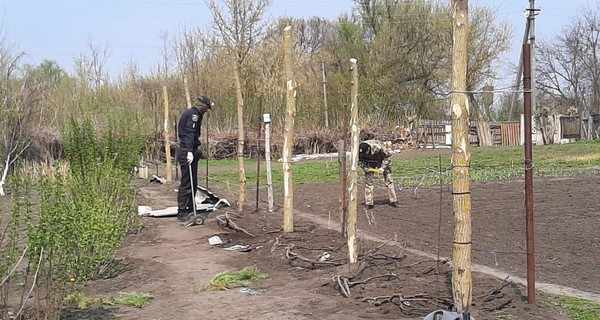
[{"x": 461, "y": 257}]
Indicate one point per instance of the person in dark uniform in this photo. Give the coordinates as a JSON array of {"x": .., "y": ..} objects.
[{"x": 188, "y": 154}]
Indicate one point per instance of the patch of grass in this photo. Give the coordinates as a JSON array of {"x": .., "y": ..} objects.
[
  {"x": 234, "y": 279},
  {"x": 498, "y": 163},
  {"x": 79, "y": 300},
  {"x": 506, "y": 316},
  {"x": 130, "y": 299},
  {"x": 577, "y": 309}
]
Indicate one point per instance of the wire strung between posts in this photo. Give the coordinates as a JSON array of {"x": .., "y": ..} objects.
[{"x": 439, "y": 235}]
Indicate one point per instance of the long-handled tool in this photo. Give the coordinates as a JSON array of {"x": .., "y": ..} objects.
[{"x": 193, "y": 219}]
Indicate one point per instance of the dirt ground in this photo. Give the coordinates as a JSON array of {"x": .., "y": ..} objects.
[{"x": 398, "y": 277}]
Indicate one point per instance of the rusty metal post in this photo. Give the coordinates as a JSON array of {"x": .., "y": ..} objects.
[{"x": 531, "y": 297}]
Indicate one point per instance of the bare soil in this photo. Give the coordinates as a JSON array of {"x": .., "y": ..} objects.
[
  {"x": 398, "y": 276},
  {"x": 173, "y": 263}
]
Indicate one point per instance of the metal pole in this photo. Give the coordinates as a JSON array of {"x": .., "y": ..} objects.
[
  {"x": 527, "y": 96},
  {"x": 207, "y": 149}
]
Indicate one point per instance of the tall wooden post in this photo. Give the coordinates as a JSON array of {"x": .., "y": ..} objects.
[
  {"x": 241, "y": 138},
  {"x": 461, "y": 158},
  {"x": 288, "y": 140},
  {"x": 529, "y": 233},
  {"x": 188, "y": 99},
  {"x": 343, "y": 145},
  {"x": 267, "y": 121},
  {"x": 260, "y": 107},
  {"x": 325, "y": 95},
  {"x": 353, "y": 180},
  {"x": 166, "y": 134}
]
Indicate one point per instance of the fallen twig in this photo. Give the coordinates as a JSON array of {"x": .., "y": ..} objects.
[{"x": 226, "y": 222}]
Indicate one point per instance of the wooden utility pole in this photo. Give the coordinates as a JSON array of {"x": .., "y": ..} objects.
[
  {"x": 325, "y": 95},
  {"x": 353, "y": 188},
  {"x": 288, "y": 140},
  {"x": 267, "y": 121},
  {"x": 461, "y": 158},
  {"x": 166, "y": 134},
  {"x": 529, "y": 233},
  {"x": 188, "y": 99}
]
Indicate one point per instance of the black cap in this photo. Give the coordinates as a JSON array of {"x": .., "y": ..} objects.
[{"x": 205, "y": 100}]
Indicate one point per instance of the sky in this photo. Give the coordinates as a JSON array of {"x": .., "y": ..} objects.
[{"x": 60, "y": 30}]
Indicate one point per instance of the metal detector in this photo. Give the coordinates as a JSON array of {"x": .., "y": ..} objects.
[{"x": 193, "y": 219}]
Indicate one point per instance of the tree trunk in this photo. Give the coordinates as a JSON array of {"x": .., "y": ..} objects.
[
  {"x": 461, "y": 254},
  {"x": 4, "y": 175},
  {"x": 288, "y": 140},
  {"x": 353, "y": 180},
  {"x": 166, "y": 135},
  {"x": 240, "y": 146}
]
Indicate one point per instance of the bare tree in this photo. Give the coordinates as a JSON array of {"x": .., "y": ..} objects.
[
  {"x": 239, "y": 27},
  {"x": 25, "y": 105},
  {"x": 569, "y": 65}
]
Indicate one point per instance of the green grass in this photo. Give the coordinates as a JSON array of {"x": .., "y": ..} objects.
[
  {"x": 130, "y": 299},
  {"x": 234, "y": 279},
  {"x": 577, "y": 309},
  {"x": 500, "y": 163}
]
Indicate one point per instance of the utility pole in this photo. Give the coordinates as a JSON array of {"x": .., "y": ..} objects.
[
  {"x": 529, "y": 231},
  {"x": 531, "y": 17},
  {"x": 462, "y": 283}
]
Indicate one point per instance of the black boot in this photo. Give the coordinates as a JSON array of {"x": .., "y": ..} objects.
[
  {"x": 369, "y": 206},
  {"x": 183, "y": 216},
  {"x": 395, "y": 204}
]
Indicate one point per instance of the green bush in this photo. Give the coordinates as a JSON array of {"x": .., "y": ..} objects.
[{"x": 85, "y": 214}]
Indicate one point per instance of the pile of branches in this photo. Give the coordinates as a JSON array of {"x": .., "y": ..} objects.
[
  {"x": 301, "y": 255},
  {"x": 380, "y": 273}
]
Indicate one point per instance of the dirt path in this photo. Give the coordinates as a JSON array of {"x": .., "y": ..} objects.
[{"x": 172, "y": 263}]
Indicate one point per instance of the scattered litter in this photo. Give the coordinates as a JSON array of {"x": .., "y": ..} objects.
[
  {"x": 239, "y": 247},
  {"x": 158, "y": 179},
  {"x": 144, "y": 210},
  {"x": 259, "y": 247},
  {"x": 444, "y": 315},
  {"x": 250, "y": 292},
  {"x": 215, "y": 240},
  {"x": 325, "y": 256}
]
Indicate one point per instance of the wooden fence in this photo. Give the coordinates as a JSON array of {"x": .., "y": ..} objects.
[{"x": 438, "y": 133}]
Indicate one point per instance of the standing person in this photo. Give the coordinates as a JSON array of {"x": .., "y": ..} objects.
[
  {"x": 374, "y": 158},
  {"x": 188, "y": 154}
]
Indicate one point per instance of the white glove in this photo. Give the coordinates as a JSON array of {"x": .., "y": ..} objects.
[{"x": 190, "y": 157}]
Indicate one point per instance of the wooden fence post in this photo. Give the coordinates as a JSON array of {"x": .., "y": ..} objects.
[
  {"x": 288, "y": 140},
  {"x": 462, "y": 284},
  {"x": 267, "y": 121},
  {"x": 353, "y": 189}
]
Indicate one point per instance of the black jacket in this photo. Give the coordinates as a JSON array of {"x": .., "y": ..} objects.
[{"x": 188, "y": 129}]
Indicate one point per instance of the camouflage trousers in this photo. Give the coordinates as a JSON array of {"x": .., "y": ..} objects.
[{"x": 387, "y": 179}]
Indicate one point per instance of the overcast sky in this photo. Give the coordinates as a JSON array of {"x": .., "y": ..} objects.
[{"x": 62, "y": 29}]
